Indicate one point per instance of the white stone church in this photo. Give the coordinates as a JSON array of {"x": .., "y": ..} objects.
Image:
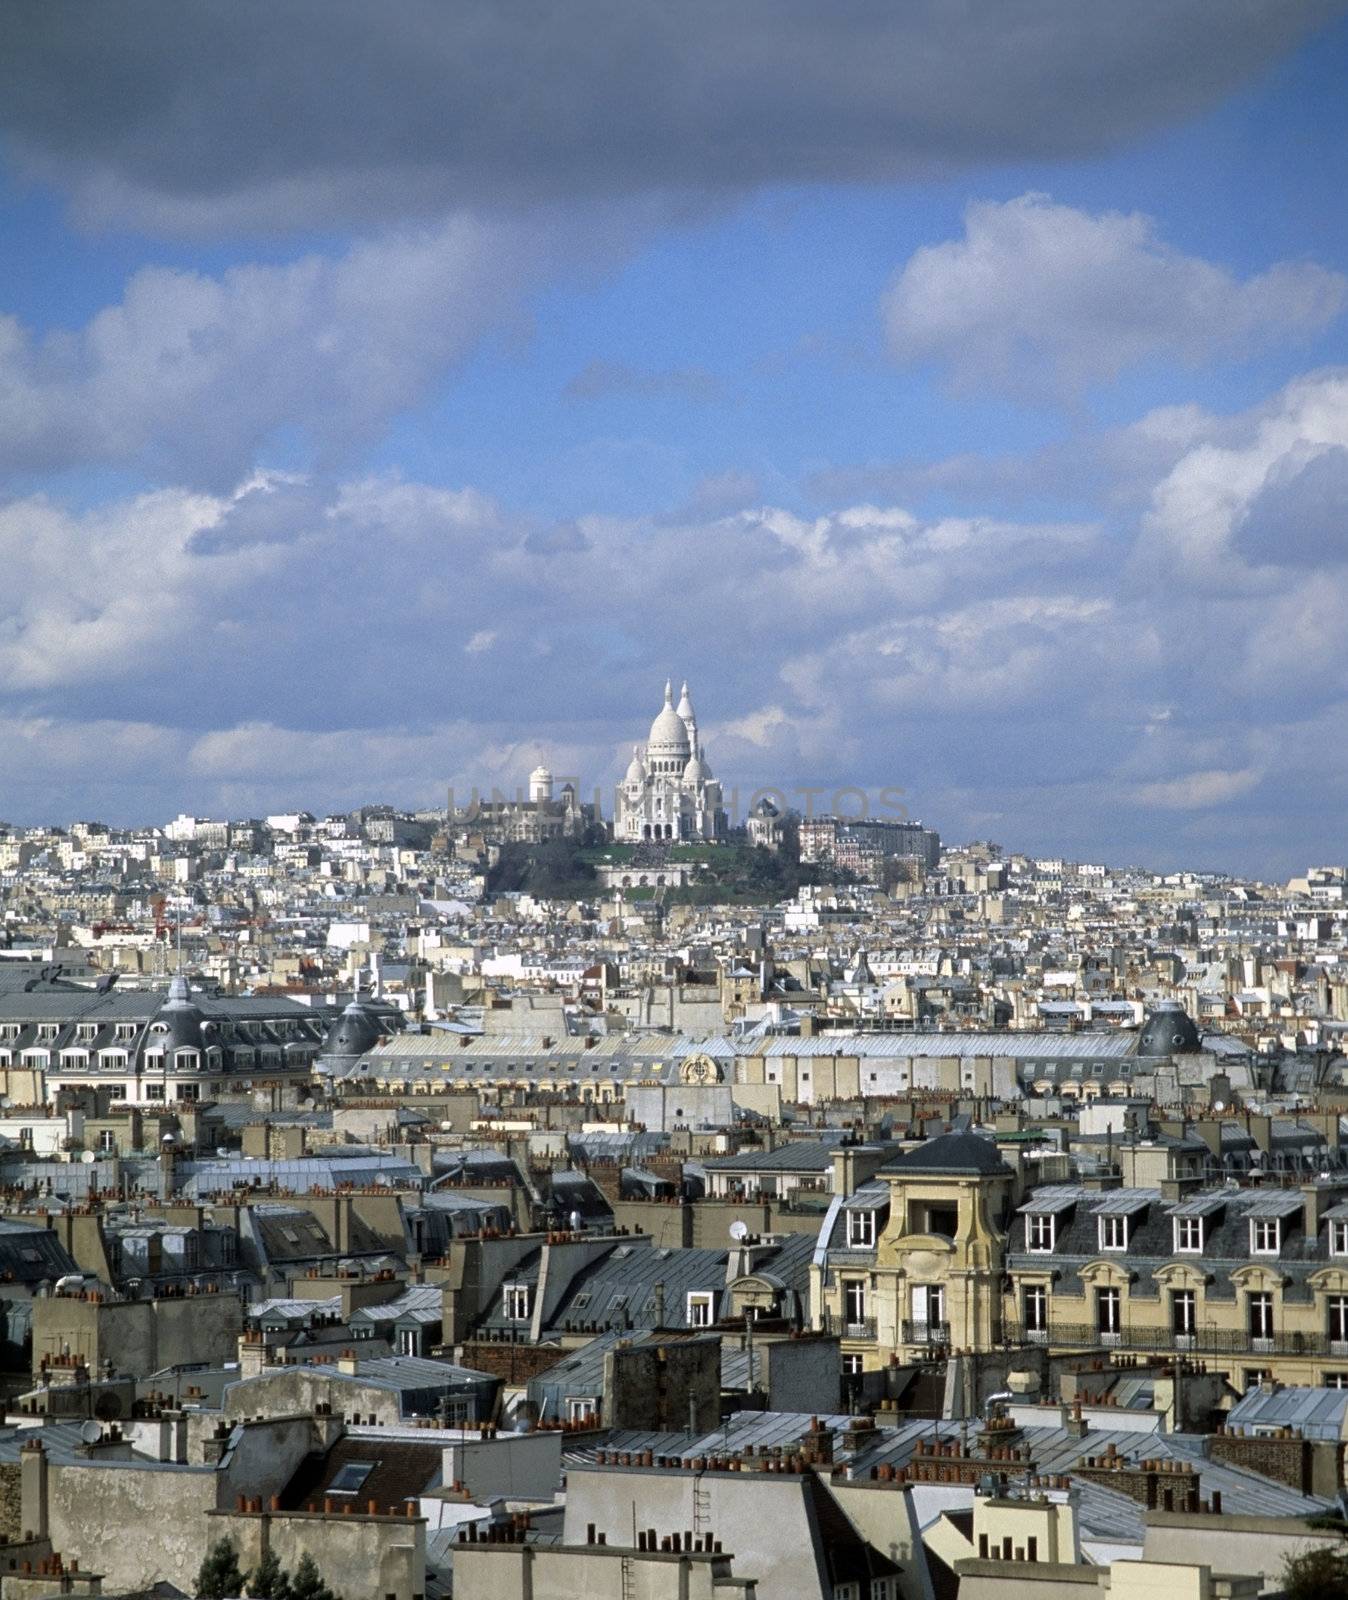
[{"x": 669, "y": 792}]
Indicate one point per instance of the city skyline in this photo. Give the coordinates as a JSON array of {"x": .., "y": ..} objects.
[{"x": 977, "y": 429}]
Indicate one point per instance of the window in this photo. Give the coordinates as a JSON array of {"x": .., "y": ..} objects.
[
  {"x": 861, "y": 1229},
  {"x": 1183, "y": 1315},
  {"x": 1338, "y": 1319},
  {"x": 1334, "y": 1380},
  {"x": 1188, "y": 1236},
  {"x": 1035, "y": 1302},
  {"x": 852, "y": 1364},
  {"x": 928, "y": 1307},
  {"x": 107, "y": 1140},
  {"x": 116, "y": 1091},
  {"x": 1338, "y": 1238},
  {"x": 699, "y": 1310},
  {"x": 579, "y": 1408},
  {"x": 1265, "y": 1236},
  {"x": 154, "y": 1091},
  {"x": 1113, "y": 1233},
  {"x": 1108, "y": 1315},
  {"x": 519, "y": 1302},
  {"x": 1039, "y": 1233},
  {"x": 1261, "y": 1316},
  {"x": 187, "y": 1091},
  {"x": 854, "y": 1303},
  {"x": 350, "y": 1476},
  {"x": 1254, "y": 1376}
]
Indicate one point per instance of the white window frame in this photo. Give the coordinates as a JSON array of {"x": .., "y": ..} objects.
[
  {"x": 1035, "y": 1294},
  {"x": 579, "y": 1407},
  {"x": 518, "y": 1301},
  {"x": 1113, "y": 1231},
  {"x": 1108, "y": 1295},
  {"x": 1265, "y": 1236},
  {"x": 1041, "y": 1231},
  {"x": 1263, "y": 1299},
  {"x": 701, "y": 1308},
  {"x": 861, "y": 1230},
  {"x": 1188, "y": 1236},
  {"x": 1338, "y": 1236},
  {"x": 1337, "y": 1308}
]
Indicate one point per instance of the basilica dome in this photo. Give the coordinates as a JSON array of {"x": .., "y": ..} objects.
[{"x": 669, "y": 732}]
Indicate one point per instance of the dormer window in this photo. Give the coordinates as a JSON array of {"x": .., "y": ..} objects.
[
  {"x": 1188, "y": 1236},
  {"x": 519, "y": 1301},
  {"x": 1265, "y": 1236},
  {"x": 861, "y": 1230},
  {"x": 1039, "y": 1232},
  {"x": 1338, "y": 1236},
  {"x": 700, "y": 1309},
  {"x": 1113, "y": 1233}
]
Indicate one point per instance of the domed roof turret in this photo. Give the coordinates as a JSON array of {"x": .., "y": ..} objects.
[
  {"x": 354, "y": 1032},
  {"x": 669, "y": 732},
  {"x": 178, "y": 1022},
  {"x": 1168, "y": 1031},
  {"x": 697, "y": 771},
  {"x": 636, "y": 772},
  {"x": 685, "y": 706}
]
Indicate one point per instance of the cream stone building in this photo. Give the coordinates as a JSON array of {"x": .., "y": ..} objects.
[{"x": 669, "y": 792}]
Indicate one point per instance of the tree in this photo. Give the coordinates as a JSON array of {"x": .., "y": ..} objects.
[
  {"x": 269, "y": 1580},
  {"x": 307, "y": 1584},
  {"x": 1316, "y": 1575},
  {"x": 220, "y": 1576}
]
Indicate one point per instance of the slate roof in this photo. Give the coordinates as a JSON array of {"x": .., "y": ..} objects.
[{"x": 955, "y": 1153}]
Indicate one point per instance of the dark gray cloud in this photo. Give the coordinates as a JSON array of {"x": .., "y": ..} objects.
[{"x": 229, "y": 113}]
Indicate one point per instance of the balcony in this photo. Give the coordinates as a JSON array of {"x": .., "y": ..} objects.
[
  {"x": 1209, "y": 1341},
  {"x": 849, "y": 1327},
  {"x": 926, "y": 1333}
]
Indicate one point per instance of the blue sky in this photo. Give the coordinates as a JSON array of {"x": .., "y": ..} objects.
[{"x": 955, "y": 397}]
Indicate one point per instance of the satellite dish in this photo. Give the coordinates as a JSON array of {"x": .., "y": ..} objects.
[
  {"x": 1219, "y": 1105},
  {"x": 5, "y": 1102},
  {"x": 739, "y": 1230},
  {"x": 88, "y": 1158},
  {"x": 91, "y": 1432},
  {"x": 575, "y": 1219}
]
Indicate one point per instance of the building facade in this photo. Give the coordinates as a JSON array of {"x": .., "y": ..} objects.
[{"x": 669, "y": 792}]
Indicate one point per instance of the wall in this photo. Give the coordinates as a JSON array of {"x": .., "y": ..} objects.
[
  {"x": 1257, "y": 1545},
  {"x": 600, "y": 1572},
  {"x": 138, "y": 1337},
  {"x": 360, "y": 1557},
  {"x": 91, "y": 1509},
  {"x": 760, "y": 1518},
  {"x": 516, "y": 1465},
  {"x": 801, "y": 1374},
  {"x": 653, "y": 1385}
]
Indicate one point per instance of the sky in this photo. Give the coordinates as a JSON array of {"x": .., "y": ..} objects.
[{"x": 954, "y": 392}]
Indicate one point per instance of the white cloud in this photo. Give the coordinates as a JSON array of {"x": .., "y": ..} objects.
[
  {"x": 482, "y": 640},
  {"x": 191, "y": 375},
  {"x": 1196, "y": 791},
  {"x": 1047, "y": 299}
]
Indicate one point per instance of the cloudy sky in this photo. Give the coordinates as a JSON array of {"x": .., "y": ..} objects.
[{"x": 956, "y": 393}]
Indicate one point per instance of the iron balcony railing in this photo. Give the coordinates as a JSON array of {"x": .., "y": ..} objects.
[
  {"x": 926, "y": 1333},
  {"x": 850, "y": 1327},
  {"x": 1206, "y": 1341}
]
